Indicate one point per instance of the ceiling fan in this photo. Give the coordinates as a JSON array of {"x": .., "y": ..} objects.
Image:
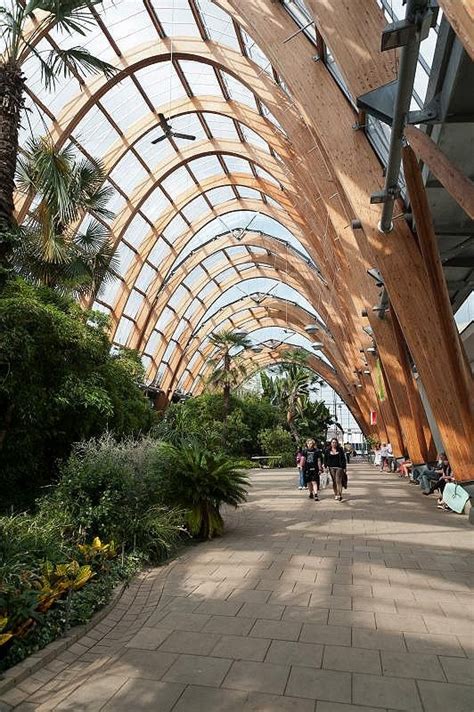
[{"x": 168, "y": 131}]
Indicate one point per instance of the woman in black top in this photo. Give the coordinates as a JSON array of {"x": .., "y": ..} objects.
[{"x": 335, "y": 460}]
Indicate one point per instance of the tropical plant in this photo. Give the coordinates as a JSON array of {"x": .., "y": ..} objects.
[
  {"x": 58, "y": 384},
  {"x": 23, "y": 25},
  {"x": 200, "y": 482},
  {"x": 279, "y": 443},
  {"x": 228, "y": 364},
  {"x": 111, "y": 490},
  {"x": 50, "y": 249},
  {"x": 313, "y": 418}
]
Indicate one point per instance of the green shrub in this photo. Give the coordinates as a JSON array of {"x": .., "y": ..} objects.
[
  {"x": 278, "y": 442},
  {"x": 58, "y": 384},
  {"x": 111, "y": 489},
  {"x": 200, "y": 481}
]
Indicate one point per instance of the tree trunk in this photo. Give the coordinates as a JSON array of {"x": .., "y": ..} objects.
[
  {"x": 11, "y": 104},
  {"x": 226, "y": 400},
  {"x": 226, "y": 386},
  {"x": 290, "y": 419}
]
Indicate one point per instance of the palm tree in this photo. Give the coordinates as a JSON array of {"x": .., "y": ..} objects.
[
  {"x": 229, "y": 368},
  {"x": 204, "y": 482},
  {"x": 52, "y": 251},
  {"x": 21, "y": 28}
]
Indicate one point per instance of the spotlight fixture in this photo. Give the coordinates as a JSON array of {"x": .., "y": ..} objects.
[
  {"x": 256, "y": 349},
  {"x": 241, "y": 334},
  {"x": 312, "y": 328},
  {"x": 359, "y": 385},
  {"x": 366, "y": 372},
  {"x": 317, "y": 345},
  {"x": 371, "y": 350}
]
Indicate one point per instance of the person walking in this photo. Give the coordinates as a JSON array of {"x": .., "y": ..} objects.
[
  {"x": 312, "y": 466},
  {"x": 335, "y": 461},
  {"x": 299, "y": 461}
]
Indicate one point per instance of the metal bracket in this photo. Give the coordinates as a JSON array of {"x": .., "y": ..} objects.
[
  {"x": 430, "y": 114},
  {"x": 380, "y": 102},
  {"x": 383, "y": 196}
]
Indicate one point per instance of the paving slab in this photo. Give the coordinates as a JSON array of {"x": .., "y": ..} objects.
[{"x": 337, "y": 608}]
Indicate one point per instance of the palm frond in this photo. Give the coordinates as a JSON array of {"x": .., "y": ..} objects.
[{"x": 73, "y": 62}]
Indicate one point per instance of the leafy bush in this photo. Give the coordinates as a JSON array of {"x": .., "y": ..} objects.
[
  {"x": 200, "y": 481},
  {"x": 58, "y": 385},
  {"x": 278, "y": 442},
  {"x": 110, "y": 489}
]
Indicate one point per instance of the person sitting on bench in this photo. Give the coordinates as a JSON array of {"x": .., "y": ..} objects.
[
  {"x": 430, "y": 474},
  {"x": 443, "y": 473}
]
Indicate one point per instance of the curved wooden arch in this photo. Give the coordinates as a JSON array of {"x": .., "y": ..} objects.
[
  {"x": 220, "y": 289},
  {"x": 365, "y": 396},
  {"x": 357, "y": 173},
  {"x": 285, "y": 217},
  {"x": 182, "y": 355},
  {"x": 314, "y": 363},
  {"x": 311, "y": 284}
]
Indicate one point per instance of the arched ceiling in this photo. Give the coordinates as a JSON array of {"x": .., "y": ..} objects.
[{"x": 254, "y": 197}]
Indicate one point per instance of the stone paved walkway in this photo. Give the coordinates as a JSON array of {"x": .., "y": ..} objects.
[{"x": 301, "y": 607}]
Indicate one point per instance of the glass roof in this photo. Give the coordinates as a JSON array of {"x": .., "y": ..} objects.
[{"x": 174, "y": 198}]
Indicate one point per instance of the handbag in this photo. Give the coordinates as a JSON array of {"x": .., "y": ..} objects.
[
  {"x": 344, "y": 479},
  {"x": 455, "y": 497}
]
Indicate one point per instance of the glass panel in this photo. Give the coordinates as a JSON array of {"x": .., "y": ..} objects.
[
  {"x": 160, "y": 250},
  {"x": 128, "y": 173},
  {"x": 123, "y": 331},
  {"x": 177, "y": 297},
  {"x": 110, "y": 291},
  {"x": 133, "y": 304},
  {"x": 249, "y": 193},
  {"x": 220, "y": 195},
  {"x": 164, "y": 319},
  {"x": 161, "y": 84},
  {"x": 95, "y": 133},
  {"x": 256, "y": 54},
  {"x": 218, "y": 24},
  {"x": 201, "y": 78},
  {"x": 125, "y": 255},
  {"x": 179, "y": 181},
  {"x": 195, "y": 276},
  {"x": 125, "y": 104},
  {"x": 175, "y": 228},
  {"x": 176, "y": 18},
  {"x": 237, "y": 165},
  {"x": 252, "y": 136},
  {"x": 262, "y": 173},
  {"x": 153, "y": 343},
  {"x": 136, "y": 231},
  {"x": 155, "y": 205},
  {"x": 239, "y": 91},
  {"x": 170, "y": 349},
  {"x": 205, "y": 167},
  {"x": 221, "y": 126},
  {"x": 128, "y": 21},
  {"x": 195, "y": 208},
  {"x": 144, "y": 279}
]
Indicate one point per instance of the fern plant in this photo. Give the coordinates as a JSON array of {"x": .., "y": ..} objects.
[{"x": 200, "y": 482}]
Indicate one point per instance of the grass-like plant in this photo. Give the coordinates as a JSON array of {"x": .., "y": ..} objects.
[{"x": 200, "y": 482}]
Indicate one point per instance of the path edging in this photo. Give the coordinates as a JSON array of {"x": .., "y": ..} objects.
[{"x": 35, "y": 662}]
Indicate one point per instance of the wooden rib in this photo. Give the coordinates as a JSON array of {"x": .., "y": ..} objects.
[{"x": 458, "y": 185}]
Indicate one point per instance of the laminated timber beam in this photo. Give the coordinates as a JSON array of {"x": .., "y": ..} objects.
[
  {"x": 247, "y": 72},
  {"x": 358, "y": 172},
  {"x": 460, "y": 14},
  {"x": 458, "y": 185},
  {"x": 276, "y": 356}
]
